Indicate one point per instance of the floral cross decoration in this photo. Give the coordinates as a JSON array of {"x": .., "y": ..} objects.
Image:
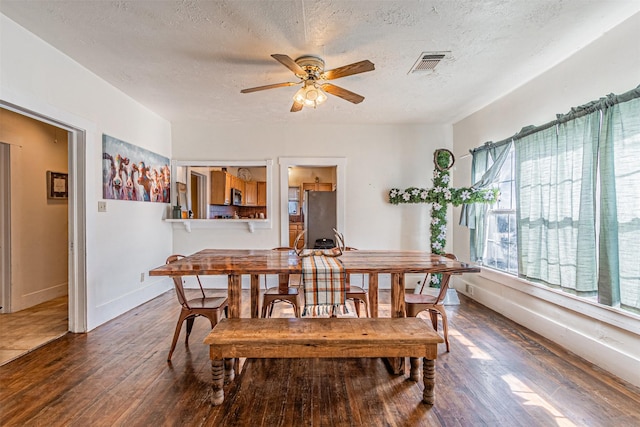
[{"x": 440, "y": 197}]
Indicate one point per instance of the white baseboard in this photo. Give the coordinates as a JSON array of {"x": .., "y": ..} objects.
[{"x": 21, "y": 302}]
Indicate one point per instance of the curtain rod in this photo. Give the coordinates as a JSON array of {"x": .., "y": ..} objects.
[{"x": 575, "y": 113}]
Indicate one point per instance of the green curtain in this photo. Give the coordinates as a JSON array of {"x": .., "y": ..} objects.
[
  {"x": 555, "y": 187},
  {"x": 485, "y": 169},
  {"x": 619, "y": 274}
]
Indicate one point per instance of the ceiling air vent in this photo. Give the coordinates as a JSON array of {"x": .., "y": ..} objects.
[{"x": 427, "y": 61}]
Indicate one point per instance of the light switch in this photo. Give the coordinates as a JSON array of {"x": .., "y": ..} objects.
[{"x": 102, "y": 206}]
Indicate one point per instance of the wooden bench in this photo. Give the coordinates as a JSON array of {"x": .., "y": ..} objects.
[{"x": 325, "y": 337}]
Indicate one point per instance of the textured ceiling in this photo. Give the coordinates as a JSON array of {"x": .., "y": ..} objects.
[{"x": 189, "y": 59}]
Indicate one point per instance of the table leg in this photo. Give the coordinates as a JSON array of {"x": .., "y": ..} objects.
[
  {"x": 229, "y": 370},
  {"x": 397, "y": 310},
  {"x": 255, "y": 296},
  {"x": 235, "y": 295},
  {"x": 415, "y": 369},
  {"x": 373, "y": 294},
  {"x": 217, "y": 372},
  {"x": 429, "y": 378},
  {"x": 283, "y": 283},
  {"x": 397, "y": 295},
  {"x": 235, "y": 302}
]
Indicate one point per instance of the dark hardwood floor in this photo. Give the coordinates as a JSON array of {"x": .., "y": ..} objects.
[{"x": 497, "y": 374}]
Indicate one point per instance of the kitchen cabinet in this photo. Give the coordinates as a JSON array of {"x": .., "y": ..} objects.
[
  {"x": 262, "y": 193},
  {"x": 250, "y": 193},
  {"x": 296, "y": 228},
  {"x": 220, "y": 188},
  {"x": 317, "y": 186},
  {"x": 237, "y": 183}
]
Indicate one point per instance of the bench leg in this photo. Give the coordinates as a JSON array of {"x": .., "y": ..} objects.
[
  {"x": 217, "y": 371},
  {"x": 429, "y": 378}
]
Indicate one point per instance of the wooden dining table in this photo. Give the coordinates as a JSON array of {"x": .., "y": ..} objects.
[{"x": 234, "y": 263}]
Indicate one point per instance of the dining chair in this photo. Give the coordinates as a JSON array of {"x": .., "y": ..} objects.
[
  {"x": 357, "y": 293},
  {"x": 418, "y": 302},
  {"x": 273, "y": 295},
  {"x": 209, "y": 307}
]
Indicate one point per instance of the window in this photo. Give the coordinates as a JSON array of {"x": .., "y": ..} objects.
[
  {"x": 500, "y": 249},
  {"x": 558, "y": 182}
]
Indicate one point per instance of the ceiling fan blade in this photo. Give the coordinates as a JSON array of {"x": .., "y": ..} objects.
[
  {"x": 273, "y": 86},
  {"x": 296, "y": 107},
  {"x": 342, "y": 93},
  {"x": 289, "y": 63},
  {"x": 348, "y": 70}
]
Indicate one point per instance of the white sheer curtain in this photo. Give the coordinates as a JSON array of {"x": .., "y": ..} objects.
[{"x": 485, "y": 168}]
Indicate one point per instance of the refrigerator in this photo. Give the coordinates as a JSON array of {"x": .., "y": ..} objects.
[{"x": 319, "y": 210}]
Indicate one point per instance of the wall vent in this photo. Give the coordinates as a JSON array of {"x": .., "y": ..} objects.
[{"x": 427, "y": 61}]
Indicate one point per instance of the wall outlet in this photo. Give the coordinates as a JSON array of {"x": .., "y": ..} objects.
[
  {"x": 141, "y": 277},
  {"x": 469, "y": 289},
  {"x": 102, "y": 206}
]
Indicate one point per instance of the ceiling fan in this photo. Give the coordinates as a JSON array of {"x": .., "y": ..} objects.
[{"x": 313, "y": 77}]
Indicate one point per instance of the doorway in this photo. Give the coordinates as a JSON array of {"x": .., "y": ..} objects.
[
  {"x": 68, "y": 128},
  {"x": 313, "y": 215},
  {"x": 336, "y": 167},
  {"x": 35, "y": 236}
]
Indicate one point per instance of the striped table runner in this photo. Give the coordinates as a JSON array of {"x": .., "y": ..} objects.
[{"x": 324, "y": 283}]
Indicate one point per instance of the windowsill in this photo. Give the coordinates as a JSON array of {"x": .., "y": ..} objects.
[
  {"x": 250, "y": 223},
  {"x": 610, "y": 315}
]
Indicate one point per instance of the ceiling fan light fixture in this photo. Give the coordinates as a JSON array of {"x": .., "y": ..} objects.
[
  {"x": 313, "y": 77},
  {"x": 310, "y": 95}
]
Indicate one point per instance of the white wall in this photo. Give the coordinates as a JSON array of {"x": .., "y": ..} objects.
[
  {"x": 609, "y": 65},
  {"x": 378, "y": 158},
  {"x": 130, "y": 238}
]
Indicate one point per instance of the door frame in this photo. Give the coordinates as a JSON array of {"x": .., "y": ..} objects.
[
  {"x": 5, "y": 228},
  {"x": 340, "y": 163},
  {"x": 79, "y": 132},
  {"x": 202, "y": 193}
]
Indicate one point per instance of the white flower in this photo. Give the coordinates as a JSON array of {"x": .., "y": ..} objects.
[
  {"x": 434, "y": 279},
  {"x": 465, "y": 195},
  {"x": 436, "y": 245},
  {"x": 488, "y": 196},
  {"x": 443, "y": 228},
  {"x": 447, "y": 194},
  {"x": 438, "y": 189},
  {"x": 435, "y": 221},
  {"x": 405, "y": 196},
  {"x": 394, "y": 192},
  {"x": 442, "y": 236},
  {"x": 437, "y": 206},
  {"x": 415, "y": 191},
  {"x": 445, "y": 179},
  {"x": 436, "y": 174},
  {"x": 424, "y": 194}
]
